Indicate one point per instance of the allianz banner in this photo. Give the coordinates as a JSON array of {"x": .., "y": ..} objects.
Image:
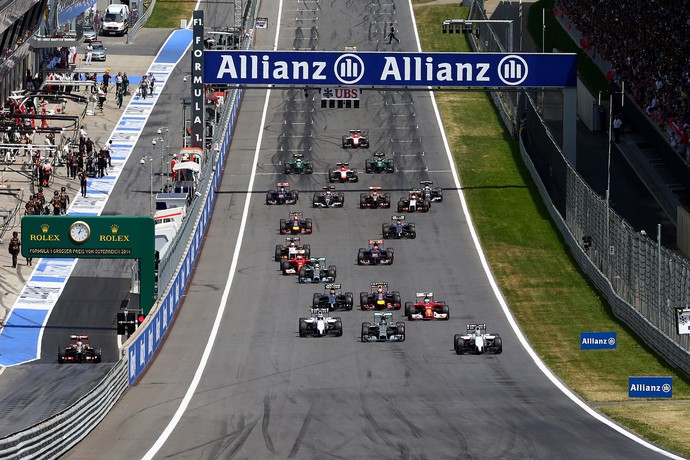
[
  {"x": 597, "y": 340},
  {"x": 379, "y": 69},
  {"x": 650, "y": 387}
]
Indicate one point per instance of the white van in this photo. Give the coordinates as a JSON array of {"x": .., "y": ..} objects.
[{"x": 116, "y": 20}]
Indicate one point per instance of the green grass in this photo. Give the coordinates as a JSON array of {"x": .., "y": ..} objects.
[
  {"x": 167, "y": 13},
  {"x": 547, "y": 293}
]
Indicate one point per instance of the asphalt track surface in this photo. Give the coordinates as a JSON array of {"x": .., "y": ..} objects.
[
  {"x": 97, "y": 288},
  {"x": 265, "y": 392}
]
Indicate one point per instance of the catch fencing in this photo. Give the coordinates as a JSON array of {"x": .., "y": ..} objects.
[{"x": 642, "y": 281}]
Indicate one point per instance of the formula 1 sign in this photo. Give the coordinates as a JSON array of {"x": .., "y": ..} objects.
[{"x": 377, "y": 69}]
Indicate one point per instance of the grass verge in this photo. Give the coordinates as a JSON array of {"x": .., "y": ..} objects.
[
  {"x": 550, "y": 297},
  {"x": 168, "y": 13}
]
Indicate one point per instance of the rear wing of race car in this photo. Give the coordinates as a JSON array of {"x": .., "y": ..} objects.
[
  {"x": 472, "y": 327},
  {"x": 397, "y": 217},
  {"x": 375, "y": 189},
  {"x": 379, "y": 154},
  {"x": 333, "y": 286},
  {"x": 373, "y": 242},
  {"x": 317, "y": 259},
  {"x": 78, "y": 337},
  {"x": 383, "y": 314},
  {"x": 426, "y": 182},
  {"x": 316, "y": 311},
  {"x": 422, "y": 295},
  {"x": 300, "y": 251},
  {"x": 355, "y": 131},
  {"x": 292, "y": 213},
  {"x": 379, "y": 284},
  {"x": 282, "y": 184},
  {"x": 326, "y": 188},
  {"x": 292, "y": 239},
  {"x": 342, "y": 164},
  {"x": 297, "y": 156}
]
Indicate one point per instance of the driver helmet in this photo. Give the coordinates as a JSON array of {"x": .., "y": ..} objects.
[
  {"x": 295, "y": 216},
  {"x": 282, "y": 188},
  {"x": 380, "y": 289},
  {"x": 319, "y": 315},
  {"x": 332, "y": 292},
  {"x": 174, "y": 155},
  {"x": 427, "y": 300},
  {"x": 40, "y": 189},
  {"x": 383, "y": 320},
  {"x": 317, "y": 265},
  {"x": 398, "y": 222},
  {"x": 55, "y": 192},
  {"x": 477, "y": 330},
  {"x": 292, "y": 244},
  {"x": 376, "y": 246}
]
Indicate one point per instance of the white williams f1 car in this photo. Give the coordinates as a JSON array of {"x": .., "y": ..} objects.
[
  {"x": 476, "y": 340},
  {"x": 320, "y": 324}
]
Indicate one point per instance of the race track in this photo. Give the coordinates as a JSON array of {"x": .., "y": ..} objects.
[{"x": 265, "y": 392}]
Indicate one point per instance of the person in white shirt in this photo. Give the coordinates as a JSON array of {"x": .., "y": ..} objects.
[{"x": 89, "y": 53}]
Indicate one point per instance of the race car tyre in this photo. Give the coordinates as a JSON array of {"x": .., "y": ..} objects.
[
  {"x": 385, "y": 231},
  {"x": 288, "y": 168},
  {"x": 426, "y": 205},
  {"x": 302, "y": 327},
  {"x": 62, "y": 356},
  {"x": 99, "y": 352},
  {"x": 279, "y": 253},
  {"x": 349, "y": 300},
  {"x": 338, "y": 327},
  {"x": 400, "y": 205},
  {"x": 386, "y": 200},
  {"x": 367, "y": 167},
  {"x": 307, "y": 225},
  {"x": 316, "y": 300},
  {"x": 408, "y": 310},
  {"x": 498, "y": 345},
  {"x": 365, "y": 331},
  {"x": 302, "y": 275},
  {"x": 457, "y": 344},
  {"x": 401, "y": 330},
  {"x": 355, "y": 176},
  {"x": 389, "y": 254},
  {"x": 331, "y": 271},
  {"x": 307, "y": 250},
  {"x": 295, "y": 195},
  {"x": 341, "y": 198},
  {"x": 331, "y": 176},
  {"x": 360, "y": 256},
  {"x": 283, "y": 226},
  {"x": 315, "y": 201},
  {"x": 391, "y": 167},
  {"x": 308, "y": 170},
  {"x": 268, "y": 198},
  {"x": 344, "y": 142},
  {"x": 363, "y": 200},
  {"x": 396, "y": 299},
  {"x": 446, "y": 311},
  {"x": 363, "y": 300},
  {"x": 439, "y": 194},
  {"x": 412, "y": 231},
  {"x": 284, "y": 266}
]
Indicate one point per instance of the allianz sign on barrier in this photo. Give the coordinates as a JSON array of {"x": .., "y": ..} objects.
[{"x": 650, "y": 387}]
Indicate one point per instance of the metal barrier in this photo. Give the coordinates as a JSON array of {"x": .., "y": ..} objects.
[
  {"x": 56, "y": 435},
  {"x": 141, "y": 20}
]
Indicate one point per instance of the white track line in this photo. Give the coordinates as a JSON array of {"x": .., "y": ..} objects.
[
  {"x": 504, "y": 305},
  {"x": 226, "y": 292}
]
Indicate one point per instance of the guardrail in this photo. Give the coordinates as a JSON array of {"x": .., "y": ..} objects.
[
  {"x": 139, "y": 24},
  {"x": 56, "y": 435}
]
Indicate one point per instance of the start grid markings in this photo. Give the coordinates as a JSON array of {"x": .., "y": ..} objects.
[{"x": 21, "y": 337}]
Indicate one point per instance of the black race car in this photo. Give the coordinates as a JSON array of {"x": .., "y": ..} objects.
[
  {"x": 375, "y": 254},
  {"x": 380, "y": 298},
  {"x": 413, "y": 202},
  {"x": 374, "y": 199},
  {"x": 356, "y": 140},
  {"x": 431, "y": 193},
  {"x": 296, "y": 223},
  {"x": 298, "y": 165},
  {"x": 343, "y": 173},
  {"x": 79, "y": 351},
  {"x": 334, "y": 299},
  {"x": 282, "y": 194},
  {"x": 378, "y": 164},
  {"x": 328, "y": 199},
  {"x": 316, "y": 272},
  {"x": 290, "y": 248},
  {"x": 399, "y": 229},
  {"x": 383, "y": 329}
]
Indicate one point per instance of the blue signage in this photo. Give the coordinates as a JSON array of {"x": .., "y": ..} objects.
[
  {"x": 597, "y": 340},
  {"x": 650, "y": 387},
  {"x": 379, "y": 69}
]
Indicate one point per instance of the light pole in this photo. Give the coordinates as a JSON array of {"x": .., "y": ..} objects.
[
  {"x": 162, "y": 135},
  {"x": 143, "y": 161},
  {"x": 608, "y": 179}
]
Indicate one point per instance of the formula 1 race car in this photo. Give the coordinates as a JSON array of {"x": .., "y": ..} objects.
[
  {"x": 425, "y": 307},
  {"x": 378, "y": 164},
  {"x": 320, "y": 324},
  {"x": 298, "y": 165},
  {"x": 356, "y": 140},
  {"x": 282, "y": 194},
  {"x": 289, "y": 250},
  {"x": 316, "y": 272},
  {"x": 431, "y": 193},
  {"x": 328, "y": 199},
  {"x": 295, "y": 223},
  {"x": 383, "y": 329},
  {"x": 334, "y": 299},
  {"x": 293, "y": 265},
  {"x": 476, "y": 340},
  {"x": 342, "y": 173},
  {"x": 399, "y": 229},
  {"x": 375, "y": 254},
  {"x": 380, "y": 298},
  {"x": 413, "y": 202},
  {"x": 78, "y": 351},
  {"x": 374, "y": 199}
]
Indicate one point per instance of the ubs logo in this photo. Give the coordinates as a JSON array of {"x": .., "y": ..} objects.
[
  {"x": 512, "y": 70},
  {"x": 348, "y": 69}
]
